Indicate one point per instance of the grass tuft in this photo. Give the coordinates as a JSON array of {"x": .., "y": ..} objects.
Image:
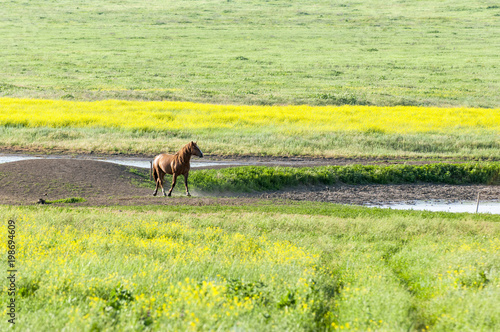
[{"x": 67, "y": 200}]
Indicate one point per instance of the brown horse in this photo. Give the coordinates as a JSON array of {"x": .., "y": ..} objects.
[{"x": 175, "y": 164}]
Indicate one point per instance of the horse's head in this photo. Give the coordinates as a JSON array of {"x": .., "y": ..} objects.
[{"x": 195, "y": 150}]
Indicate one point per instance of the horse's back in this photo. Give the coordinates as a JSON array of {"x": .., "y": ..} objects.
[{"x": 164, "y": 161}]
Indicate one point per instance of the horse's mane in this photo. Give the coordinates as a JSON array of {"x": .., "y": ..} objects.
[{"x": 183, "y": 153}]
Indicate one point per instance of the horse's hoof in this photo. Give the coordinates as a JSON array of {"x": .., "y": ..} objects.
[
  {"x": 188, "y": 194},
  {"x": 169, "y": 194}
]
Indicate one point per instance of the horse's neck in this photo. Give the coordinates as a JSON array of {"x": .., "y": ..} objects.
[{"x": 184, "y": 156}]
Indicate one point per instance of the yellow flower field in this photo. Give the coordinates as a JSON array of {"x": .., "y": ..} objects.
[
  {"x": 150, "y": 116},
  {"x": 158, "y": 271},
  {"x": 293, "y": 268}
]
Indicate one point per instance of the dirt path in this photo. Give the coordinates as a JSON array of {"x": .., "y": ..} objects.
[{"x": 101, "y": 183}]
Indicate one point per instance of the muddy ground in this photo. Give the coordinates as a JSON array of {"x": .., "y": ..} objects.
[{"x": 101, "y": 183}]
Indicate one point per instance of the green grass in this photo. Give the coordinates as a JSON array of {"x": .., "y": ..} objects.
[
  {"x": 272, "y": 265},
  {"x": 261, "y": 178},
  {"x": 67, "y": 200},
  {"x": 254, "y": 52},
  {"x": 103, "y": 268},
  {"x": 480, "y": 144}
]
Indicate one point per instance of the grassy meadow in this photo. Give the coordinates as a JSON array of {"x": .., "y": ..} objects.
[
  {"x": 386, "y": 79},
  {"x": 225, "y": 56},
  {"x": 285, "y": 266},
  {"x": 254, "y": 52}
]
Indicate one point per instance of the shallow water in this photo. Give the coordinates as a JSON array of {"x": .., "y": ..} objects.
[
  {"x": 492, "y": 207},
  {"x": 133, "y": 162}
]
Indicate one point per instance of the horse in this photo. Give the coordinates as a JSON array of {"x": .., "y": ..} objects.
[{"x": 174, "y": 164}]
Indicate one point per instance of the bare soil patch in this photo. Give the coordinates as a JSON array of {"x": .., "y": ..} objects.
[
  {"x": 375, "y": 194},
  {"x": 102, "y": 183}
]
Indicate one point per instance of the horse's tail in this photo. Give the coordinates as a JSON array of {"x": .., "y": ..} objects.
[{"x": 153, "y": 173}]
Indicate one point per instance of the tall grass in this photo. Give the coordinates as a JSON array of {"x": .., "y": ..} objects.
[
  {"x": 150, "y": 273},
  {"x": 150, "y": 127},
  {"x": 257, "y": 178},
  {"x": 261, "y": 178},
  {"x": 268, "y": 267}
]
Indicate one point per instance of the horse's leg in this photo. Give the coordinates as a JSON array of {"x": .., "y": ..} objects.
[
  {"x": 174, "y": 180},
  {"x": 159, "y": 181},
  {"x": 155, "y": 177},
  {"x": 162, "y": 180},
  {"x": 186, "y": 184}
]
